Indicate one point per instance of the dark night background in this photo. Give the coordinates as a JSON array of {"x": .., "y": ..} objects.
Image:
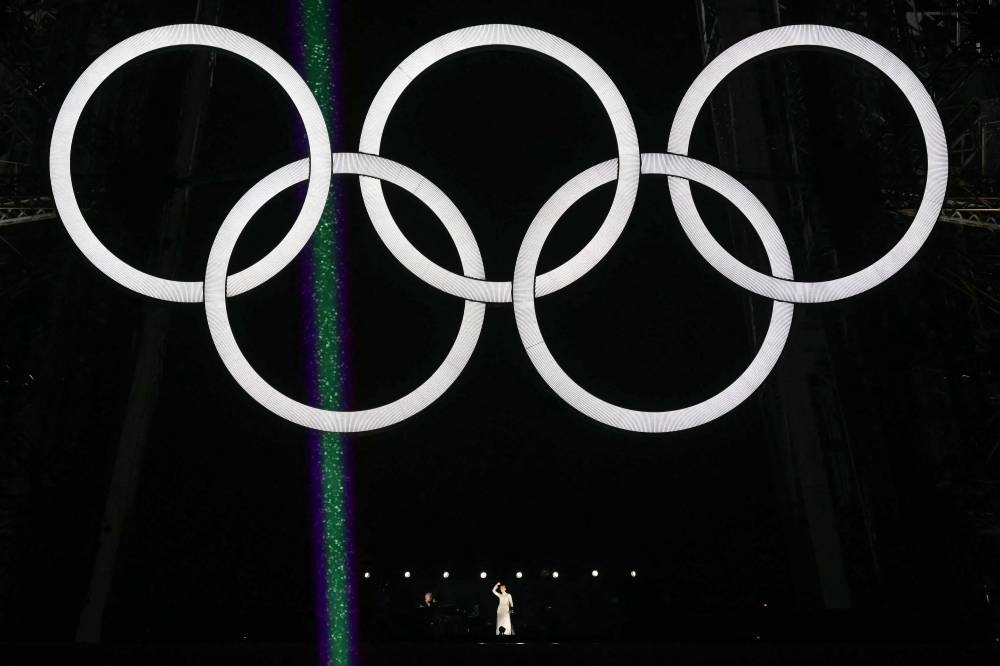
[{"x": 855, "y": 494}]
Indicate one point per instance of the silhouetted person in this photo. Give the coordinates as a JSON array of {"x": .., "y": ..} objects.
[{"x": 428, "y": 610}]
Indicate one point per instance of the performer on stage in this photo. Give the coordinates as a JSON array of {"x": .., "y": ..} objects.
[{"x": 504, "y": 608}]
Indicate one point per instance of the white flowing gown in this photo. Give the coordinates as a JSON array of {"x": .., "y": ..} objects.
[{"x": 506, "y": 603}]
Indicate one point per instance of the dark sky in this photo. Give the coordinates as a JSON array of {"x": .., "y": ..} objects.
[{"x": 499, "y": 474}]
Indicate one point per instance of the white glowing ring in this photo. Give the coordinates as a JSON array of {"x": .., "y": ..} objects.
[
  {"x": 277, "y": 402},
  {"x": 188, "y": 35},
  {"x": 814, "y": 36},
  {"x": 530, "y": 39},
  {"x": 577, "y": 396}
]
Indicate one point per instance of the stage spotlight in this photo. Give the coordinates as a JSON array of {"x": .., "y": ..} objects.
[
  {"x": 406, "y": 574},
  {"x": 632, "y": 573},
  {"x": 367, "y": 575},
  {"x": 445, "y": 574},
  {"x": 518, "y": 575},
  {"x": 482, "y": 574},
  {"x": 594, "y": 573},
  {"x": 555, "y": 574}
]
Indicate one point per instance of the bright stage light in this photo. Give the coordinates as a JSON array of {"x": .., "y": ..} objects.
[
  {"x": 518, "y": 575},
  {"x": 555, "y": 574},
  {"x": 594, "y": 573},
  {"x": 406, "y": 574},
  {"x": 445, "y": 574},
  {"x": 482, "y": 574},
  {"x": 632, "y": 573},
  {"x": 367, "y": 575}
]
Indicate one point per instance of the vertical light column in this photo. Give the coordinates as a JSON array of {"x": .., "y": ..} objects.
[{"x": 323, "y": 299}]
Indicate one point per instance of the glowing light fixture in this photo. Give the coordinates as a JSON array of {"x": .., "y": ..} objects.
[
  {"x": 471, "y": 284},
  {"x": 258, "y": 388},
  {"x": 535, "y": 41},
  {"x": 188, "y": 35},
  {"x": 574, "y": 394},
  {"x": 812, "y": 36}
]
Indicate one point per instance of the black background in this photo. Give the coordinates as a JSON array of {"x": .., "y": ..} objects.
[{"x": 499, "y": 474}]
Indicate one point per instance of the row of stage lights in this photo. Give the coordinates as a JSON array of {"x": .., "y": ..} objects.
[{"x": 482, "y": 574}]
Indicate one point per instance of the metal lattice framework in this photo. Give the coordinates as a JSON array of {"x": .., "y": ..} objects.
[
  {"x": 21, "y": 210},
  {"x": 969, "y": 211}
]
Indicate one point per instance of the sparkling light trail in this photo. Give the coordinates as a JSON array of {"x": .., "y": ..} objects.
[{"x": 324, "y": 300}]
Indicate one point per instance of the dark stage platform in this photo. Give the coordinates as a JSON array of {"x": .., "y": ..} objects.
[{"x": 495, "y": 653}]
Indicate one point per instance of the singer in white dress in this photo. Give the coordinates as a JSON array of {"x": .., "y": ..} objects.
[{"x": 504, "y": 609}]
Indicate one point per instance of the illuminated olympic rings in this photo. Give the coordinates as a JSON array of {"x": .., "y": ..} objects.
[{"x": 472, "y": 285}]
